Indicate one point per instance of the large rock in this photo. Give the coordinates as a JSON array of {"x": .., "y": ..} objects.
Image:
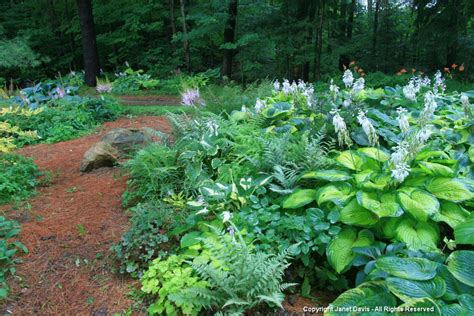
[
  {"x": 116, "y": 144},
  {"x": 100, "y": 155},
  {"x": 127, "y": 140}
]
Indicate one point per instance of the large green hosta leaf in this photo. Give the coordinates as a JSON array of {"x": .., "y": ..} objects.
[
  {"x": 418, "y": 269},
  {"x": 436, "y": 169},
  {"x": 370, "y": 294},
  {"x": 451, "y": 213},
  {"x": 407, "y": 290},
  {"x": 354, "y": 214},
  {"x": 339, "y": 250},
  {"x": 350, "y": 159},
  {"x": 417, "y": 235},
  {"x": 464, "y": 232},
  {"x": 453, "y": 190},
  {"x": 454, "y": 288},
  {"x": 426, "y": 303},
  {"x": 420, "y": 204},
  {"x": 460, "y": 264},
  {"x": 383, "y": 205},
  {"x": 338, "y": 193},
  {"x": 327, "y": 175},
  {"x": 299, "y": 198},
  {"x": 374, "y": 153}
]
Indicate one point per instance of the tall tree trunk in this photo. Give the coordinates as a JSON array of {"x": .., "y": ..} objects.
[
  {"x": 89, "y": 42},
  {"x": 375, "y": 30},
  {"x": 350, "y": 22},
  {"x": 370, "y": 5},
  {"x": 229, "y": 37},
  {"x": 187, "y": 55},
  {"x": 172, "y": 18},
  {"x": 319, "y": 39}
]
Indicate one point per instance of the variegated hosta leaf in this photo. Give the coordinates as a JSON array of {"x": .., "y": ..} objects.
[
  {"x": 417, "y": 235},
  {"x": 419, "y": 269},
  {"x": 354, "y": 214},
  {"x": 407, "y": 290},
  {"x": 420, "y": 204},
  {"x": 454, "y": 190},
  {"x": 384, "y": 205},
  {"x": 460, "y": 264},
  {"x": 451, "y": 213},
  {"x": 300, "y": 198}
]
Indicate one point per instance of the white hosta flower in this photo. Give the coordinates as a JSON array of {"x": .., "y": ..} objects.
[
  {"x": 358, "y": 85},
  {"x": 423, "y": 135},
  {"x": 368, "y": 128},
  {"x": 400, "y": 172},
  {"x": 341, "y": 129},
  {"x": 226, "y": 216},
  {"x": 301, "y": 85},
  {"x": 410, "y": 91},
  {"x": 430, "y": 107},
  {"x": 347, "y": 102},
  {"x": 286, "y": 87},
  {"x": 439, "y": 82},
  {"x": 259, "y": 106},
  {"x": 244, "y": 109},
  {"x": 333, "y": 89},
  {"x": 400, "y": 153},
  {"x": 465, "y": 104},
  {"x": 403, "y": 119},
  {"x": 348, "y": 78},
  {"x": 276, "y": 86}
]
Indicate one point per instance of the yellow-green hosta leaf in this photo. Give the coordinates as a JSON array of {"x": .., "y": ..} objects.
[
  {"x": 350, "y": 159},
  {"x": 451, "y": 213},
  {"x": 407, "y": 290},
  {"x": 436, "y": 169},
  {"x": 338, "y": 193},
  {"x": 418, "y": 269},
  {"x": 374, "y": 153},
  {"x": 417, "y": 235},
  {"x": 420, "y": 204},
  {"x": 454, "y": 190},
  {"x": 354, "y": 214},
  {"x": 299, "y": 198},
  {"x": 327, "y": 175},
  {"x": 339, "y": 251},
  {"x": 384, "y": 205},
  {"x": 471, "y": 153},
  {"x": 460, "y": 264}
]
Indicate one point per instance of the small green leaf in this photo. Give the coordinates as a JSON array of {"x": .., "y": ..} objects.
[{"x": 299, "y": 198}]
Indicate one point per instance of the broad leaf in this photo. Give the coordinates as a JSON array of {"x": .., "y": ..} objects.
[
  {"x": 420, "y": 204},
  {"x": 300, "y": 198},
  {"x": 384, "y": 205},
  {"x": 418, "y": 269},
  {"x": 338, "y": 193},
  {"x": 460, "y": 264},
  {"x": 464, "y": 232},
  {"x": 407, "y": 290},
  {"x": 436, "y": 169},
  {"x": 354, "y": 214},
  {"x": 417, "y": 235},
  {"x": 421, "y": 304},
  {"x": 327, "y": 175},
  {"x": 350, "y": 159},
  {"x": 453, "y": 190},
  {"x": 454, "y": 288},
  {"x": 374, "y": 153},
  {"x": 451, "y": 213}
]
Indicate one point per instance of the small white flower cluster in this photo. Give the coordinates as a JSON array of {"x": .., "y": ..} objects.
[
  {"x": 368, "y": 128},
  {"x": 358, "y": 85},
  {"x": 333, "y": 89},
  {"x": 212, "y": 127},
  {"x": 104, "y": 87},
  {"x": 414, "y": 86},
  {"x": 191, "y": 97},
  {"x": 259, "y": 105},
  {"x": 427, "y": 113},
  {"x": 403, "y": 120},
  {"x": 401, "y": 169},
  {"x": 466, "y": 105},
  {"x": 305, "y": 89},
  {"x": 348, "y": 78},
  {"x": 439, "y": 84},
  {"x": 341, "y": 129}
]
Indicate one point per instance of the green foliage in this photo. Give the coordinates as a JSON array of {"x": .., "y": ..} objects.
[
  {"x": 133, "y": 80},
  {"x": 17, "y": 177},
  {"x": 8, "y": 250}
]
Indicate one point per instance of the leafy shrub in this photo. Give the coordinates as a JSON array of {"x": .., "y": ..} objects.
[
  {"x": 133, "y": 80},
  {"x": 8, "y": 249},
  {"x": 142, "y": 243},
  {"x": 17, "y": 177}
]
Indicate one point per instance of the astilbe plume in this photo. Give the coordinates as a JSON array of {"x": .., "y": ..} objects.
[{"x": 191, "y": 97}]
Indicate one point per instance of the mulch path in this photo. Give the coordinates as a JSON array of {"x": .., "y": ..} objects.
[{"x": 68, "y": 228}]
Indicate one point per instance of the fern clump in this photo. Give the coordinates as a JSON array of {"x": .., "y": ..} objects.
[{"x": 239, "y": 278}]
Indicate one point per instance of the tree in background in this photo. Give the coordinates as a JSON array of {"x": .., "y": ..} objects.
[
  {"x": 229, "y": 37},
  {"x": 89, "y": 43}
]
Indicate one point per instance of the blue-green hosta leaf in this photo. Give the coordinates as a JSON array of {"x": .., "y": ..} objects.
[
  {"x": 339, "y": 250},
  {"x": 354, "y": 214},
  {"x": 420, "y": 204},
  {"x": 299, "y": 198},
  {"x": 338, "y": 193},
  {"x": 464, "y": 232},
  {"x": 449, "y": 189},
  {"x": 374, "y": 153},
  {"x": 467, "y": 301},
  {"x": 460, "y": 264},
  {"x": 425, "y": 304},
  {"x": 370, "y": 294},
  {"x": 451, "y": 213},
  {"x": 453, "y": 310},
  {"x": 384, "y": 205},
  {"x": 327, "y": 175},
  {"x": 454, "y": 288},
  {"x": 407, "y": 290},
  {"x": 436, "y": 169},
  {"x": 350, "y": 159},
  {"x": 418, "y": 269},
  {"x": 417, "y": 235}
]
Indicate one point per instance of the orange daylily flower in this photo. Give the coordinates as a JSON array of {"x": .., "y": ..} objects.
[
  {"x": 355, "y": 68},
  {"x": 454, "y": 66},
  {"x": 399, "y": 73},
  {"x": 362, "y": 74},
  {"x": 446, "y": 69},
  {"x": 461, "y": 68},
  {"x": 403, "y": 71},
  {"x": 352, "y": 63}
]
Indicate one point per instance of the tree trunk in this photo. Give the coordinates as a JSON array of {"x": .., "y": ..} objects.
[
  {"x": 375, "y": 29},
  {"x": 229, "y": 37},
  {"x": 172, "y": 18},
  {"x": 319, "y": 39},
  {"x": 370, "y": 5},
  {"x": 187, "y": 55},
  {"x": 89, "y": 42},
  {"x": 350, "y": 22}
]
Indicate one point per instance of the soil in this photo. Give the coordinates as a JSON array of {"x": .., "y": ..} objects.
[{"x": 68, "y": 228}]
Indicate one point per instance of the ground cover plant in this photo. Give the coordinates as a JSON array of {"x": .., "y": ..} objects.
[{"x": 350, "y": 181}]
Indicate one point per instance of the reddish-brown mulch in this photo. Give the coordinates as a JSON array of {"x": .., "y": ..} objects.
[{"x": 69, "y": 229}]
